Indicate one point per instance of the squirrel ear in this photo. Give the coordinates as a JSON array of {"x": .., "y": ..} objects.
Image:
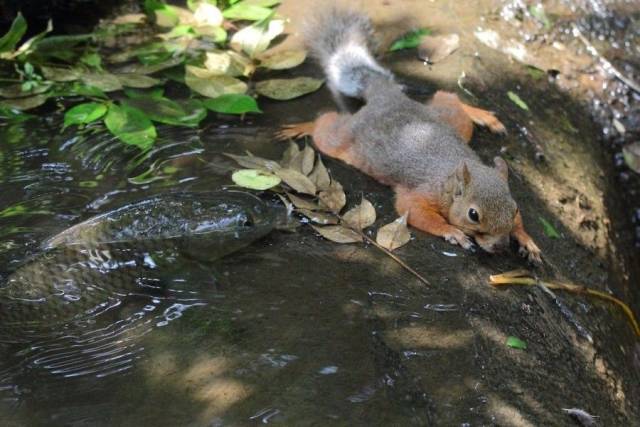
[
  {"x": 463, "y": 178},
  {"x": 502, "y": 167}
]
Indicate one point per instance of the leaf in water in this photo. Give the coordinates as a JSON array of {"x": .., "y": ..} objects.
[
  {"x": 153, "y": 68},
  {"x": 9, "y": 41},
  {"x": 25, "y": 48},
  {"x": 515, "y": 342},
  {"x": 87, "y": 90},
  {"x": 84, "y": 113},
  {"x": 297, "y": 181},
  {"x": 302, "y": 203},
  {"x": 631, "y": 154},
  {"x": 58, "y": 74},
  {"x": 289, "y": 154},
  {"x": 92, "y": 59},
  {"x": 246, "y": 11},
  {"x": 285, "y": 89},
  {"x": 394, "y": 234},
  {"x": 549, "y": 229},
  {"x": 320, "y": 176},
  {"x": 212, "y": 86},
  {"x": 334, "y": 198},
  {"x": 17, "y": 91},
  {"x": 435, "y": 48},
  {"x": 155, "y": 92},
  {"x": 361, "y": 216},
  {"x": 218, "y": 34},
  {"x": 228, "y": 63},
  {"x": 283, "y": 60},
  {"x": 255, "y": 38},
  {"x": 338, "y": 234},
  {"x": 303, "y": 160},
  {"x": 517, "y": 100},
  {"x": 139, "y": 81},
  {"x": 253, "y": 162},
  {"x": 208, "y": 14},
  {"x": 103, "y": 81},
  {"x": 131, "y": 126},
  {"x": 25, "y": 103},
  {"x": 319, "y": 217},
  {"x": 255, "y": 179},
  {"x": 233, "y": 104},
  {"x": 166, "y": 16},
  {"x": 161, "y": 110},
  {"x": 409, "y": 40}
]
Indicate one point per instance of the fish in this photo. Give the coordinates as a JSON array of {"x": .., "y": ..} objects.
[{"x": 98, "y": 262}]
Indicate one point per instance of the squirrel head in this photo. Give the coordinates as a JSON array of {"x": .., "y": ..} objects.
[{"x": 481, "y": 204}]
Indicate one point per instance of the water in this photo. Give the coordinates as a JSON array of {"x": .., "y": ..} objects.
[{"x": 294, "y": 330}]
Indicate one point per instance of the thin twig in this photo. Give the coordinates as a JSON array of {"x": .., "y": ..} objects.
[
  {"x": 608, "y": 66},
  {"x": 521, "y": 277}
]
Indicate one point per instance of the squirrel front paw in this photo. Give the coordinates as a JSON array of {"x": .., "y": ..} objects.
[
  {"x": 531, "y": 251},
  {"x": 457, "y": 237}
]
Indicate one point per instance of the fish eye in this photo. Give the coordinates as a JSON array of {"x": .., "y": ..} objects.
[{"x": 473, "y": 215}]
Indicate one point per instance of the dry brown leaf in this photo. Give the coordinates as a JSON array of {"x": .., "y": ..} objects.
[
  {"x": 297, "y": 181},
  {"x": 303, "y": 160},
  {"x": 318, "y": 217},
  {"x": 334, "y": 198},
  {"x": 253, "y": 162},
  {"x": 287, "y": 204},
  {"x": 338, "y": 234},
  {"x": 362, "y": 216},
  {"x": 301, "y": 203},
  {"x": 394, "y": 234},
  {"x": 289, "y": 154},
  {"x": 320, "y": 176}
]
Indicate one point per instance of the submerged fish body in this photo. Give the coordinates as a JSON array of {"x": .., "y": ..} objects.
[{"x": 96, "y": 263}]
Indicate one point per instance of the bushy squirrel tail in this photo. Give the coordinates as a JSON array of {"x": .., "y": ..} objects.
[{"x": 341, "y": 40}]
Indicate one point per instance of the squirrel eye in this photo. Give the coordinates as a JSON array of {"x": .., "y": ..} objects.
[{"x": 473, "y": 215}]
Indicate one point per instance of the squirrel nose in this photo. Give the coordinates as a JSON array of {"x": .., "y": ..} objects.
[{"x": 492, "y": 243}]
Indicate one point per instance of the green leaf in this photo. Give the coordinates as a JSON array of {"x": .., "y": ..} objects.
[
  {"x": 166, "y": 16},
  {"x": 537, "y": 11},
  {"x": 255, "y": 179},
  {"x": 92, "y": 59},
  {"x": 131, "y": 126},
  {"x": 549, "y": 230},
  {"x": 285, "y": 89},
  {"x": 193, "y": 4},
  {"x": 84, "y": 113},
  {"x": 58, "y": 74},
  {"x": 212, "y": 86},
  {"x": 25, "y": 48},
  {"x": 163, "y": 110},
  {"x": 139, "y": 81},
  {"x": 9, "y": 41},
  {"x": 515, "y": 342},
  {"x": 409, "y": 40},
  {"x": 104, "y": 81},
  {"x": 82, "y": 89},
  {"x": 25, "y": 103},
  {"x": 155, "y": 92},
  {"x": 233, "y": 104},
  {"x": 246, "y": 11},
  {"x": 151, "y": 6},
  {"x": 263, "y": 3},
  {"x": 517, "y": 100}
]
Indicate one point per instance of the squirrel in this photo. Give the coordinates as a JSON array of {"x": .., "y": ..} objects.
[{"x": 421, "y": 151}]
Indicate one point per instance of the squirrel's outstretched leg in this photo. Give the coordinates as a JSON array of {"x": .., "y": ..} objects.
[
  {"x": 528, "y": 247},
  {"x": 424, "y": 214},
  {"x": 460, "y": 116}
]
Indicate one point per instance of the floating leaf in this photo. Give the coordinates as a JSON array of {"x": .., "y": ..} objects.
[
  {"x": 25, "y": 103},
  {"x": 139, "y": 81},
  {"x": 131, "y": 126},
  {"x": 361, "y": 216},
  {"x": 232, "y": 104},
  {"x": 394, "y": 234},
  {"x": 283, "y": 60},
  {"x": 285, "y": 89},
  {"x": 549, "y": 230},
  {"x": 255, "y": 38},
  {"x": 17, "y": 91},
  {"x": 9, "y": 41},
  {"x": 84, "y": 113},
  {"x": 517, "y": 100},
  {"x": 213, "y": 86},
  {"x": 255, "y": 179},
  {"x": 319, "y": 217},
  {"x": 245, "y": 11},
  {"x": 334, "y": 198},
  {"x": 409, "y": 40},
  {"x": 435, "y": 48},
  {"x": 58, "y": 74},
  {"x": 515, "y": 342},
  {"x": 338, "y": 234},
  {"x": 103, "y": 81},
  {"x": 297, "y": 181},
  {"x": 253, "y": 162},
  {"x": 208, "y": 14},
  {"x": 152, "y": 68},
  {"x": 631, "y": 154},
  {"x": 160, "y": 110},
  {"x": 320, "y": 176},
  {"x": 301, "y": 203}
]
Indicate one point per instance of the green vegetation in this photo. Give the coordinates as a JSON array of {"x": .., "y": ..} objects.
[{"x": 117, "y": 74}]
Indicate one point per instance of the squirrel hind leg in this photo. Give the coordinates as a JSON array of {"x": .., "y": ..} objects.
[
  {"x": 295, "y": 131},
  {"x": 484, "y": 118},
  {"x": 448, "y": 108}
]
